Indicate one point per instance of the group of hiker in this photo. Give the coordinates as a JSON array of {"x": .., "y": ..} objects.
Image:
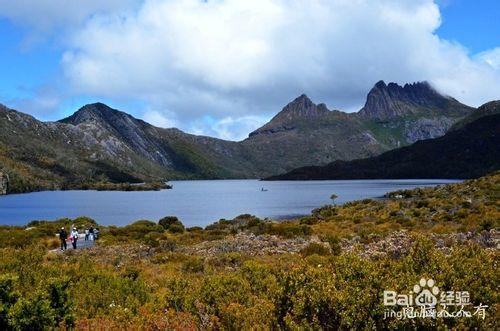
[{"x": 90, "y": 234}]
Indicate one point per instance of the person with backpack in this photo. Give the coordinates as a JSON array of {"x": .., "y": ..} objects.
[
  {"x": 63, "y": 235},
  {"x": 74, "y": 237}
]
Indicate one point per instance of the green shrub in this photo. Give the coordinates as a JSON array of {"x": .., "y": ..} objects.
[
  {"x": 308, "y": 220},
  {"x": 139, "y": 231},
  {"x": 8, "y": 297},
  {"x": 168, "y": 245},
  {"x": 172, "y": 224},
  {"x": 218, "y": 292},
  {"x": 193, "y": 265},
  {"x": 232, "y": 260},
  {"x": 288, "y": 229},
  {"x": 194, "y": 229},
  {"x": 32, "y": 313},
  {"x": 176, "y": 228},
  {"x": 315, "y": 248},
  {"x": 334, "y": 243},
  {"x": 487, "y": 224},
  {"x": 60, "y": 302},
  {"x": 178, "y": 294}
]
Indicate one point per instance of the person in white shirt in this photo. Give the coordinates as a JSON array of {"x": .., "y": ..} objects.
[{"x": 74, "y": 237}]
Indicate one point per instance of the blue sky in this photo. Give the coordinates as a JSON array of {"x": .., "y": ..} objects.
[
  {"x": 206, "y": 69},
  {"x": 474, "y": 24}
]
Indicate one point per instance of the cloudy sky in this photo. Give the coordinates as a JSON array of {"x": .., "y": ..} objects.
[{"x": 223, "y": 68}]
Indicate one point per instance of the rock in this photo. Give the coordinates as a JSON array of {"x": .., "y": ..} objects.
[
  {"x": 426, "y": 128},
  {"x": 248, "y": 243},
  {"x": 4, "y": 183},
  {"x": 398, "y": 244}
]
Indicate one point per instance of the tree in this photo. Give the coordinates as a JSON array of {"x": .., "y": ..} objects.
[{"x": 333, "y": 197}]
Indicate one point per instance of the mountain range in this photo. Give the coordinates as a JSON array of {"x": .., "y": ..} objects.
[
  {"x": 470, "y": 149},
  {"x": 101, "y": 144}
]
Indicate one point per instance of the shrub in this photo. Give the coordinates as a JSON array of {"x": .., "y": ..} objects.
[
  {"x": 178, "y": 297},
  {"x": 487, "y": 224},
  {"x": 194, "y": 229},
  {"x": 138, "y": 230},
  {"x": 32, "y": 314},
  {"x": 172, "y": 224},
  {"x": 60, "y": 302},
  {"x": 176, "y": 228},
  {"x": 308, "y": 220},
  {"x": 218, "y": 292},
  {"x": 193, "y": 265},
  {"x": 8, "y": 297},
  {"x": 334, "y": 243},
  {"x": 168, "y": 245},
  {"x": 288, "y": 229},
  {"x": 315, "y": 248},
  {"x": 141, "y": 224},
  {"x": 231, "y": 260},
  {"x": 254, "y": 221}
]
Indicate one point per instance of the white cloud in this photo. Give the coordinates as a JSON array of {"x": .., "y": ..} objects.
[
  {"x": 228, "y": 128},
  {"x": 158, "y": 119},
  {"x": 39, "y": 102},
  {"x": 491, "y": 57},
  {"x": 234, "y": 59}
]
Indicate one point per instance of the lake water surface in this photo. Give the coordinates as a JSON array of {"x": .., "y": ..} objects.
[{"x": 197, "y": 203}]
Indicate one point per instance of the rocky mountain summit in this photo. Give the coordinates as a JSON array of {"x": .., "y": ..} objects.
[
  {"x": 300, "y": 109},
  {"x": 387, "y": 101},
  {"x": 416, "y": 110}
]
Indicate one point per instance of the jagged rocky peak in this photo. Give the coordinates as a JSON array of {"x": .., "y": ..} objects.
[
  {"x": 302, "y": 108},
  {"x": 392, "y": 100}
]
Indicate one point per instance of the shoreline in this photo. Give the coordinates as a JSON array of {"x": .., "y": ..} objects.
[{"x": 119, "y": 187}]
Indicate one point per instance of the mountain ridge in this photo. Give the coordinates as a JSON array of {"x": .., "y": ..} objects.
[
  {"x": 469, "y": 151},
  {"x": 98, "y": 143}
]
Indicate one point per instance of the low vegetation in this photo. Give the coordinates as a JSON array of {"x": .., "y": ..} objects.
[{"x": 324, "y": 271}]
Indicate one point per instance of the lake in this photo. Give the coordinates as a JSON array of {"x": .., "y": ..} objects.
[{"x": 197, "y": 203}]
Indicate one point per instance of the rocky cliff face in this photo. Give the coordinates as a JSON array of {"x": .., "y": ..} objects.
[
  {"x": 4, "y": 183},
  {"x": 116, "y": 131}
]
